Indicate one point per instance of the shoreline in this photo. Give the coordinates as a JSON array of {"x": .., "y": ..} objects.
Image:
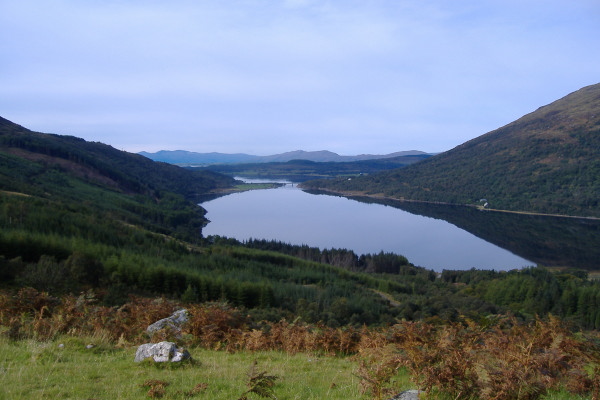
[{"x": 383, "y": 197}]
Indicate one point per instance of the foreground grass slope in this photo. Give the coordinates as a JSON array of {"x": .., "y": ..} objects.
[
  {"x": 78, "y": 349},
  {"x": 42, "y": 370},
  {"x": 547, "y": 161}
]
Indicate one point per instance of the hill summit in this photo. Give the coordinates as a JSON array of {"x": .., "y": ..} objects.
[
  {"x": 548, "y": 161},
  {"x": 59, "y": 173}
]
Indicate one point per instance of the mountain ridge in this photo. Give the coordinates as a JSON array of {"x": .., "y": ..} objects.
[
  {"x": 102, "y": 164},
  {"x": 184, "y": 157}
]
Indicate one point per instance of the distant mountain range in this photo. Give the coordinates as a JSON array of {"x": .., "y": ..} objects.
[
  {"x": 303, "y": 170},
  {"x": 182, "y": 157},
  {"x": 548, "y": 161}
]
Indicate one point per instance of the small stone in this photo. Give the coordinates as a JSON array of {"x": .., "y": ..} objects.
[
  {"x": 90, "y": 346},
  {"x": 407, "y": 395}
]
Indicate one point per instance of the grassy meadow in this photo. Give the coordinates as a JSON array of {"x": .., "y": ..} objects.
[{"x": 32, "y": 369}]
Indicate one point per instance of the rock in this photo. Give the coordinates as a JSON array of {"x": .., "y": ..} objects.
[
  {"x": 407, "y": 395},
  {"x": 173, "y": 322},
  {"x": 161, "y": 352}
]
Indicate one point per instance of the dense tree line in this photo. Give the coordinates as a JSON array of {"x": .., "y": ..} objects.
[
  {"x": 382, "y": 262},
  {"x": 536, "y": 291}
]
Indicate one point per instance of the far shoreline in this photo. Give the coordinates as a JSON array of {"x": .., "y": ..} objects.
[{"x": 351, "y": 194}]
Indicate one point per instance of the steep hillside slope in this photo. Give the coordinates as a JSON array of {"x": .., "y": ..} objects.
[
  {"x": 547, "y": 161},
  {"x": 68, "y": 173},
  {"x": 104, "y": 165}
]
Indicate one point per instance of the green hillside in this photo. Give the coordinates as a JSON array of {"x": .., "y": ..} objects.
[
  {"x": 95, "y": 244},
  {"x": 76, "y": 216},
  {"x": 547, "y": 161},
  {"x": 94, "y": 178},
  {"x": 103, "y": 165},
  {"x": 83, "y": 217}
]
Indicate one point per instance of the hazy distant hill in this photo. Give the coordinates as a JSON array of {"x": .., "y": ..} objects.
[
  {"x": 328, "y": 156},
  {"x": 303, "y": 170},
  {"x": 547, "y": 161},
  {"x": 188, "y": 157}
]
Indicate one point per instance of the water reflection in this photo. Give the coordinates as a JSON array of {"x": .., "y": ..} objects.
[
  {"x": 545, "y": 240},
  {"x": 290, "y": 215}
]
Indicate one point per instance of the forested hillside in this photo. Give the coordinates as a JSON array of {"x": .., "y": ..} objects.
[
  {"x": 77, "y": 215},
  {"x": 547, "y": 161},
  {"x": 97, "y": 163},
  {"x": 65, "y": 175},
  {"x": 83, "y": 217}
]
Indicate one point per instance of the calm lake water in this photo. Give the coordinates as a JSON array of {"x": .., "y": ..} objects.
[{"x": 290, "y": 215}]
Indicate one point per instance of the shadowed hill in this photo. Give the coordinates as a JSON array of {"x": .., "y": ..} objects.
[
  {"x": 102, "y": 164},
  {"x": 547, "y": 161},
  {"x": 68, "y": 173}
]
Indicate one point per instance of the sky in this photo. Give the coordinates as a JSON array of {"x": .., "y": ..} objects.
[{"x": 269, "y": 76}]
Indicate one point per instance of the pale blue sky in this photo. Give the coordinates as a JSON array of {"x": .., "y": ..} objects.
[{"x": 269, "y": 76}]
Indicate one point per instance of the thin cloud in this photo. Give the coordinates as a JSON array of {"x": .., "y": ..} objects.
[{"x": 263, "y": 77}]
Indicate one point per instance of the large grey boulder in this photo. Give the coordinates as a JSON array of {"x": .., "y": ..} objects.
[
  {"x": 161, "y": 352},
  {"x": 174, "y": 322},
  {"x": 407, "y": 395}
]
